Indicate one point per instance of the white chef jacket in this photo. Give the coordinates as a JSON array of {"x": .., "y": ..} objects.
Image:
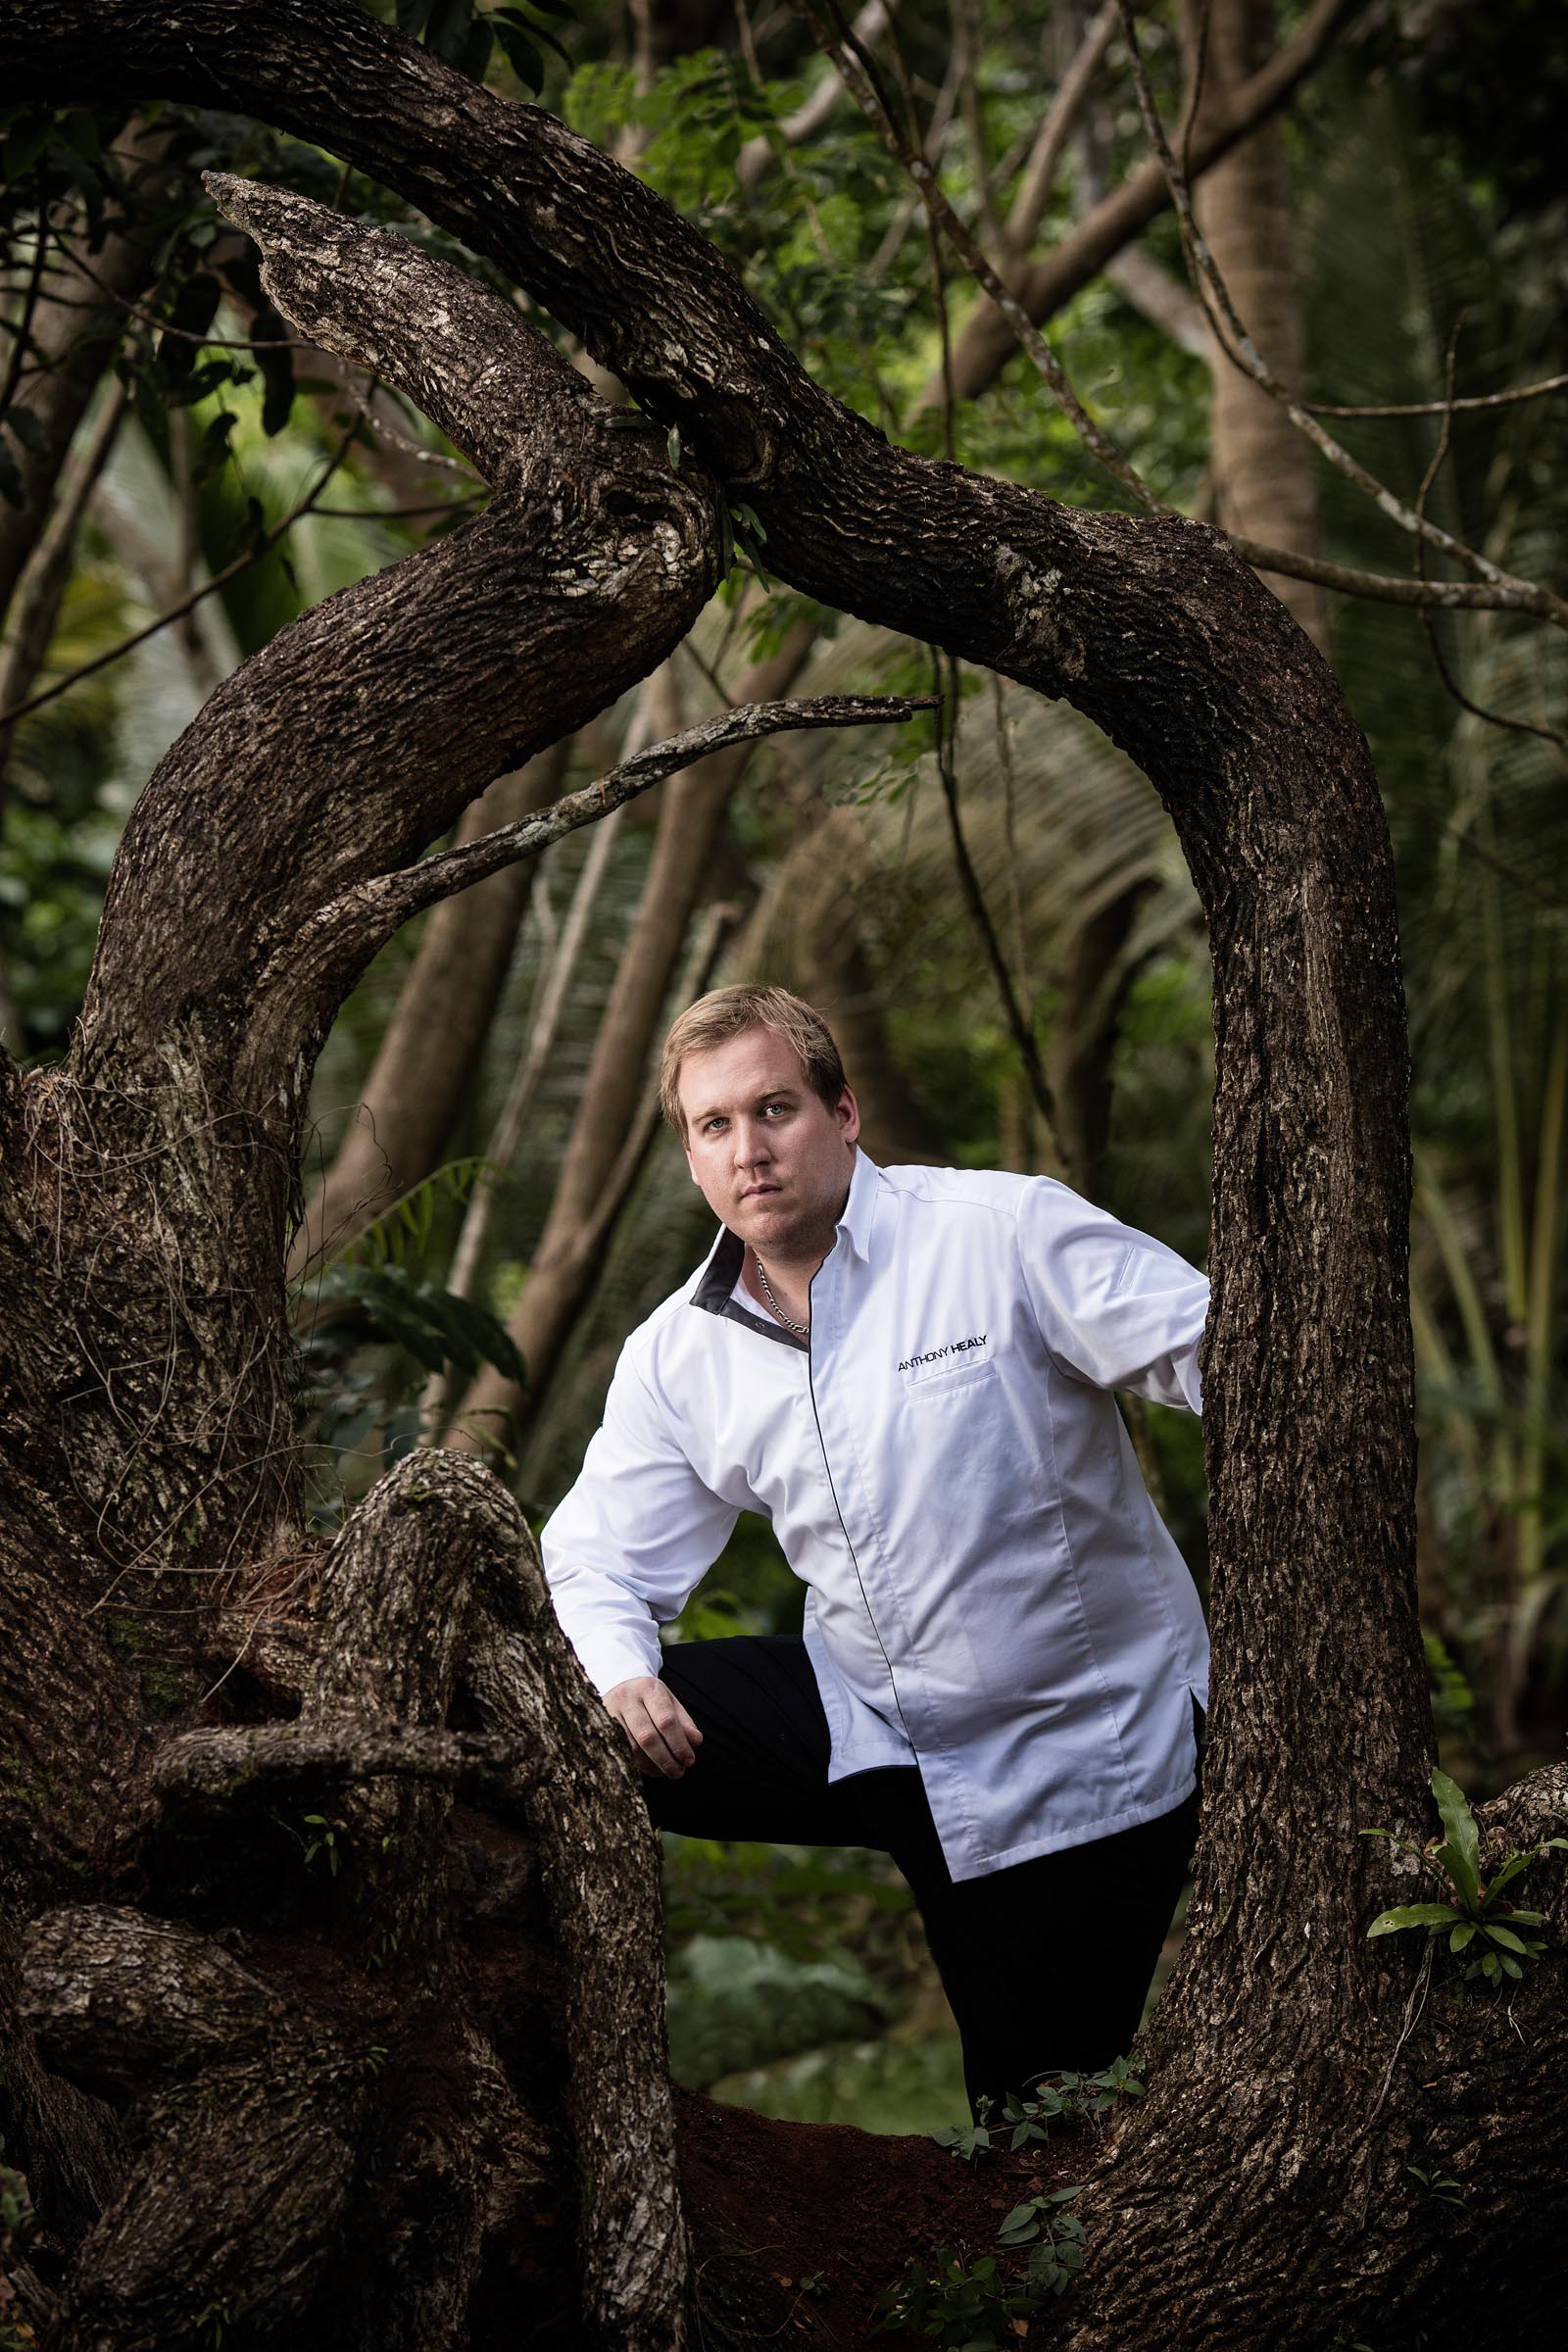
[{"x": 991, "y": 1594}]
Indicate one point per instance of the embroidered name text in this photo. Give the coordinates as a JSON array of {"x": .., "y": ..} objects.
[{"x": 934, "y": 1356}]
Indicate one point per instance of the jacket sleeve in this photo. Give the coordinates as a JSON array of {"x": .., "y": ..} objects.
[
  {"x": 633, "y": 1539},
  {"x": 1116, "y": 1309}
]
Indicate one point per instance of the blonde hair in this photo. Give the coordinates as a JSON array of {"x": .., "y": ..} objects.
[{"x": 726, "y": 1012}]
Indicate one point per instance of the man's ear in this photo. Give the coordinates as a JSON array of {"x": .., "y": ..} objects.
[{"x": 847, "y": 1111}]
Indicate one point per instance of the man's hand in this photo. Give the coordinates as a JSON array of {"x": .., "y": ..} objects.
[{"x": 663, "y": 1738}]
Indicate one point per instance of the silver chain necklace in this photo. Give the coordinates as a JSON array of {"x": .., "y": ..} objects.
[{"x": 801, "y": 1330}]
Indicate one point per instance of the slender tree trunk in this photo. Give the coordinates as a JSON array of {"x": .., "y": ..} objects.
[
  {"x": 77, "y": 324},
  {"x": 564, "y": 1260},
  {"x": 430, "y": 1056},
  {"x": 1261, "y": 465}
]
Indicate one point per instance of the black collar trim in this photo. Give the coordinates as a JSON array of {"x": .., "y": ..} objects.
[{"x": 716, "y": 1288}]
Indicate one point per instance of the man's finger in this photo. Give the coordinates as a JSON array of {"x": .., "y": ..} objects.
[
  {"x": 663, "y": 1736},
  {"x": 676, "y": 1727},
  {"x": 653, "y": 1754}
]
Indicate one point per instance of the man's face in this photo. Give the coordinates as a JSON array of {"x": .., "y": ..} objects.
[{"x": 772, "y": 1160}]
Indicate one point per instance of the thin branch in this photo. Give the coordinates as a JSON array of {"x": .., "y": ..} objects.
[
  {"x": 814, "y": 110},
  {"x": 1126, "y": 211},
  {"x": 185, "y": 604},
  {"x": 22, "y": 330},
  {"x": 545, "y": 1009},
  {"x": 863, "y": 88},
  {"x": 186, "y": 334},
  {"x": 897, "y": 229},
  {"x": 1240, "y": 349},
  {"x": 963, "y": 16},
  {"x": 35, "y": 606},
  {"x": 1039, "y": 173},
  {"x": 376, "y": 908},
  {"x": 1490, "y": 719},
  {"x": 1386, "y": 588},
  {"x": 1023, "y": 1034},
  {"x": 1440, "y": 408}
]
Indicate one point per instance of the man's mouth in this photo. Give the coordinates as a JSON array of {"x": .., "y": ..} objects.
[{"x": 757, "y": 1192}]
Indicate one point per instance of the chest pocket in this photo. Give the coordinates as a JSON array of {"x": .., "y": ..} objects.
[{"x": 944, "y": 1372}]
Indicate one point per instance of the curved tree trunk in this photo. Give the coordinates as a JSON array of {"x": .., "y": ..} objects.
[
  {"x": 1261, "y": 2192},
  {"x": 144, "y": 1191}
]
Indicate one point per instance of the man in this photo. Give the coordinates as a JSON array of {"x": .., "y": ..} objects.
[{"x": 909, "y": 1371}]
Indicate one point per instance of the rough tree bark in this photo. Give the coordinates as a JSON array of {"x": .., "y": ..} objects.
[
  {"x": 1261, "y": 2192},
  {"x": 143, "y": 1206}
]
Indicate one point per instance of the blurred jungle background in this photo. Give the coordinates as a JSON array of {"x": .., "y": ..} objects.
[{"x": 993, "y": 911}]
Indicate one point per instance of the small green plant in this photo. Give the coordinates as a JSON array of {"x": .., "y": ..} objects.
[
  {"x": 969, "y": 2309},
  {"x": 324, "y": 1843},
  {"x": 212, "y": 2322},
  {"x": 979, "y": 2308},
  {"x": 1058, "y": 2254},
  {"x": 1448, "y": 2192},
  {"x": 1070, "y": 2098},
  {"x": 1473, "y": 1914}
]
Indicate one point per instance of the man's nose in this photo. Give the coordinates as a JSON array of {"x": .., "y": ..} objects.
[{"x": 751, "y": 1144}]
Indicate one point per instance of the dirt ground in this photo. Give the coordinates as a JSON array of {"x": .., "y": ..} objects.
[{"x": 825, "y": 2215}]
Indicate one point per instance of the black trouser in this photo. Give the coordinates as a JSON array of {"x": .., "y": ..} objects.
[{"x": 1046, "y": 1965}]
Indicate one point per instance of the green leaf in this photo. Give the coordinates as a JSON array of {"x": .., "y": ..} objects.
[
  {"x": 538, "y": 32},
  {"x": 1461, "y": 1935},
  {"x": 1506, "y": 1872},
  {"x": 277, "y": 371},
  {"x": 1509, "y": 1941},
  {"x": 447, "y": 24},
  {"x": 1461, "y": 1869},
  {"x": 1412, "y": 1914},
  {"x": 212, "y": 451},
  {"x": 26, "y": 141},
  {"x": 1459, "y": 1821},
  {"x": 477, "y": 1333},
  {"x": 521, "y": 55}
]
